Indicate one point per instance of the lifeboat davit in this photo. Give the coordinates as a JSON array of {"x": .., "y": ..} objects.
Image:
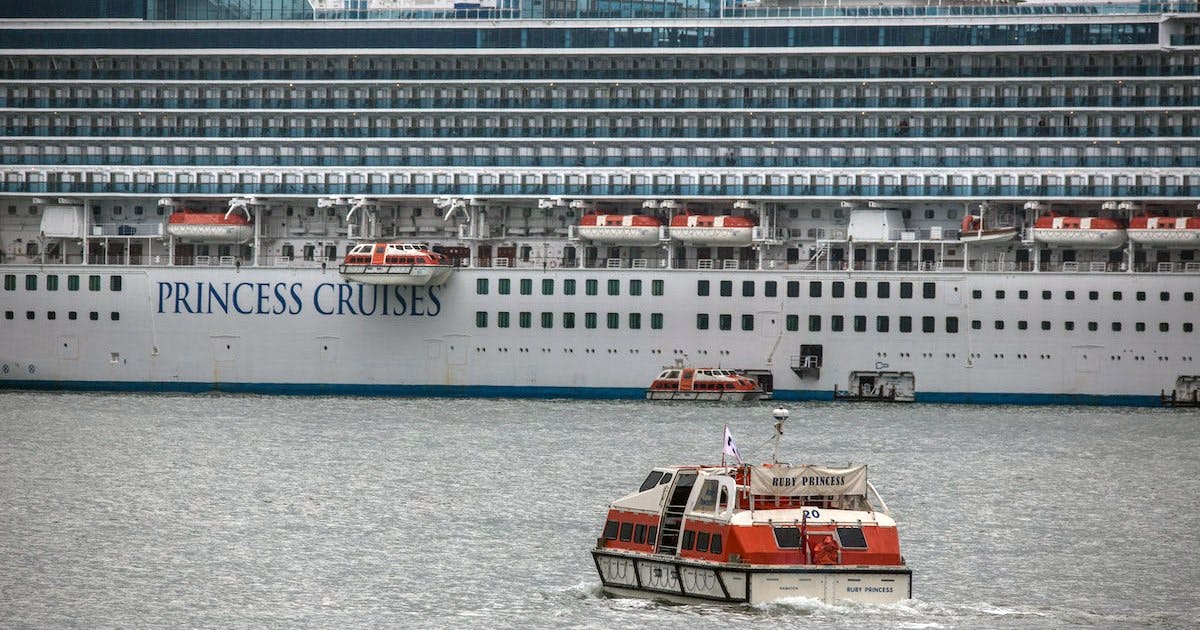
[
  {"x": 619, "y": 228},
  {"x": 975, "y": 230},
  {"x": 209, "y": 227},
  {"x": 707, "y": 229},
  {"x": 395, "y": 264},
  {"x": 1081, "y": 232},
  {"x": 751, "y": 534},
  {"x": 680, "y": 383},
  {"x": 1165, "y": 231}
]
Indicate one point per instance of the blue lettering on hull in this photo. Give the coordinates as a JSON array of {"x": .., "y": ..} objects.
[{"x": 283, "y": 298}]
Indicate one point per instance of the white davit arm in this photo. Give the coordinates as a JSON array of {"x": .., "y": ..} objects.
[{"x": 883, "y": 506}]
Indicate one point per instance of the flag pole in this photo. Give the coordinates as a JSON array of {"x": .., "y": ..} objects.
[{"x": 726, "y": 432}]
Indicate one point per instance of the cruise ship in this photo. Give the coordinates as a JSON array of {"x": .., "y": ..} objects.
[{"x": 931, "y": 201}]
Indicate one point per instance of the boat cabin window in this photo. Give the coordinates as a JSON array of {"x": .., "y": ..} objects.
[
  {"x": 626, "y": 534},
  {"x": 851, "y": 538},
  {"x": 610, "y": 530},
  {"x": 639, "y": 533},
  {"x": 785, "y": 537},
  {"x": 651, "y": 480},
  {"x": 707, "y": 500}
]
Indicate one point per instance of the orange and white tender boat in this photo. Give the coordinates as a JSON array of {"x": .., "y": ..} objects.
[
  {"x": 629, "y": 229},
  {"x": 976, "y": 230},
  {"x": 1165, "y": 231},
  {"x": 686, "y": 383},
  {"x": 753, "y": 534},
  {"x": 707, "y": 229},
  {"x": 209, "y": 227},
  {"x": 1082, "y": 232},
  {"x": 395, "y": 264}
]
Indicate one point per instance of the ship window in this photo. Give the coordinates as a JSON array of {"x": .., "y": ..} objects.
[
  {"x": 860, "y": 289},
  {"x": 31, "y": 282},
  {"x": 505, "y": 286},
  {"x": 976, "y": 294},
  {"x": 114, "y": 316},
  {"x": 787, "y": 537},
  {"x": 10, "y": 282},
  {"x": 839, "y": 289},
  {"x": 689, "y": 539},
  {"x": 929, "y": 290},
  {"x": 502, "y": 319},
  {"x": 837, "y": 323},
  {"x": 610, "y": 530},
  {"x": 792, "y": 323},
  {"x": 656, "y": 321},
  {"x": 589, "y": 320},
  {"x": 1093, "y": 326},
  {"x": 1187, "y": 327},
  {"x": 702, "y": 288},
  {"x": 547, "y": 286},
  {"x": 614, "y": 287},
  {"x": 1140, "y": 326},
  {"x": 481, "y": 286},
  {"x": 1116, "y": 296},
  {"x": 814, "y": 290},
  {"x": 114, "y": 283},
  {"x": 726, "y": 288},
  {"x": 72, "y": 315},
  {"x": 1023, "y": 294},
  {"x": 656, "y": 287},
  {"x": 715, "y": 546},
  {"x": 814, "y": 323},
  {"x": 568, "y": 320},
  {"x": 481, "y": 319},
  {"x": 1022, "y": 325},
  {"x": 770, "y": 288},
  {"x": 707, "y": 499},
  {"x": 927, "y": 324},
  {"x": 28, "y": 314},
  {"x": 1000, "y": 294},
  {"x": 905, "y": 324},
  {"x": 591, "y": 286},
  {"x": 702, "y": 321},
  {"x": 1070, "y": 295},
  {"x": 1045, "y": 325},
  {"x": 793, "y": 288},
  {"x": 635, "y": 287},
  {"x": 1045, "y": 295},
  {"x": 702, "y": 541},
  {"x": 652, "y": 535},
  {"x": 999, "y": 324},
  {"x": 526, "y": 286},
  {"x": 8, "y": 314},
  {"x": 1188, "y": 297},
  {"x": 747, "y": 322},
  {"x": 93, "y": 283},
  {"x": 639, "y": 533},
  {"x": 1093, "y": 295},
  {"x": 976, "y": 324},
  {"x": 1141, "y": 296},
  {"x": 1164, "y": 296},
  {"x": 613, "y": 320},
  {"x": 1116, "y": 326},
  {"x": 1069, "y": 325},
  {"x": 51, "y": 315},
  {"x": 725, "y": 321},
  {"x": 851, "y": 538},
  {"x": 626, "y": 534},
  {"x": 635, "y": 321},
  {"x": 747, "y": 288},
  {"x": 525, "y": 319},
  {"x": 569, "y": 287},
  {"x": 1164, "y": 327},
  {"x": 651, "y": 480},
  {"x": 906, "y": 290},
  {"x": 547, "y": 320},
  {"x": 94, "y": 316},
  {"x": 881, "y": 323},
  {"x": 883, "y": 290}
]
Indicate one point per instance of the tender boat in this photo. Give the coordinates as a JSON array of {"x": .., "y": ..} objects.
[
  {"x": 1081, "y": 232},
  {"x": 753, "y": 534},
  {"x": 976, "y": 230},
  {"x": 707, "y": 229},
  {"x": 395, "y": 264},
  {"x": 631, "y": 229},
  {"x": 686, "y": 383},
  {"x": 1165, "y": 231},
  {"x": 210, "y": 227}
]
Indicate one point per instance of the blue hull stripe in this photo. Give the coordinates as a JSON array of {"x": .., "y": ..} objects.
[{"x": 587, "y": 393}]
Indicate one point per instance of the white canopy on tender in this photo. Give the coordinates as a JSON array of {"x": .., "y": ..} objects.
[{"x": 782, "y": 480}]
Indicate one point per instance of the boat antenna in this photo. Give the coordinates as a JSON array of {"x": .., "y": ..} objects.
[{"x": 781, "y": 415}]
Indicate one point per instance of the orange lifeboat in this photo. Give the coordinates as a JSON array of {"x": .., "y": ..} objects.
[
  {"x": 395, "y": 264},
  {"x": 1165, "y": 231},
  {"x": 209, "y": 227},
  {"x": 685, "y": 383},
  {"x": 631, "y": 229},
  {"x": 1081, "y": 232},
  {"x": 707, "y": 229},
  {"x": 753, "y": 533}
]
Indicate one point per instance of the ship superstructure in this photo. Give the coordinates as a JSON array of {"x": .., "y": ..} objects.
[{"x": 974, "y": 201}]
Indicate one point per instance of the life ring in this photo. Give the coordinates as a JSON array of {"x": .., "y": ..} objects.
[{"x": 553, "y": 264}]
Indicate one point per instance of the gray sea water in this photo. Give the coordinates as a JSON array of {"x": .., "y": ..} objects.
[{"x": 205, "y": 511}]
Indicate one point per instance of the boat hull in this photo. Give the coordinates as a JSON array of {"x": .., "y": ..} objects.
[
  {"x": 210, "y": 233},
  {"x": 999, "y": 235},
  {"x": 1166, "y": 237},
  {"x": 396, "y": 275},
  {"x": 620, "y": 234},
  {"x": 627, "y": 574},
  {"x": 713, "y": 235},
  {"x": 1083, "y": 238},
  {"x": 724, "y": 395}
]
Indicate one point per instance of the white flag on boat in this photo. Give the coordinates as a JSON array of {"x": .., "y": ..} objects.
[{"x": 730, "y": 448}]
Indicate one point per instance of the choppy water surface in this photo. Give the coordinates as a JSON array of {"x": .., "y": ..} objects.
[{"x": 245, "y": 511}]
